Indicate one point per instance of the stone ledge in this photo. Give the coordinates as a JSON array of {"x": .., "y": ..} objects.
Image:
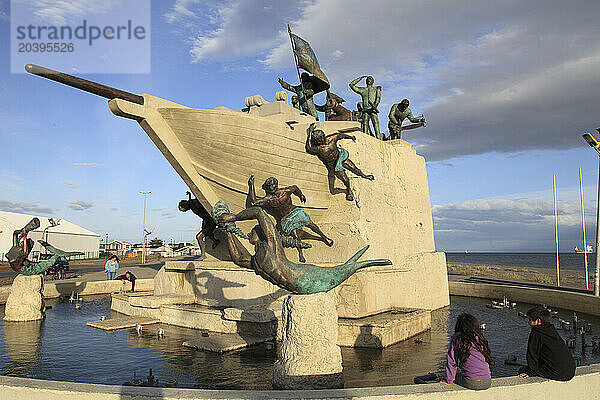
[
  {"x": 222, "y": 342},
  {"x": 160, "y": 300},
  {"x": 384, "y": 329},
  {"x": 174, "y": 266},
  {"x": 113, "y": 324},
  {"x": 57, "y": 289},
  {"x": 252, "y": 314},
  {"x": 585, "y": 385},
  {"x": 580, "y": 302}
]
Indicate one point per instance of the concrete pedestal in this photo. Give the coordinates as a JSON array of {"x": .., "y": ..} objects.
[
  {"x": 26, "y": 300},
  {"x": 309, "y": 356}
]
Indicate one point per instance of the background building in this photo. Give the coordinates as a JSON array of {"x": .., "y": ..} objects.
[
  {"x": 118, "y": 247},
  {"x": 60, "y": 233}
]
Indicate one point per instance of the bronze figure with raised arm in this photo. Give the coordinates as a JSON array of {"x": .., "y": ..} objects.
[
  {"x": 370, "y": 98},
  {"x": 270, "y": 262},
  {"x": 290, "y": 218},
  {"x": 305, "y": 92},
  {"x": 335, "y": 158}
]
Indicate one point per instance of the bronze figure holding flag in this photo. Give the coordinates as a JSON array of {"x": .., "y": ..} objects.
[{"x": 312, "y": 81}]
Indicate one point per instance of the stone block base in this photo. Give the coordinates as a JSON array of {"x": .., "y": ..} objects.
[
  {"x": 309, "y": 356},
  {"x": 382, "y": 330},
  {"x": 25, "y": 301},
  {"x": 375, "y": 331},
  {"x": 222, "y": 342}
]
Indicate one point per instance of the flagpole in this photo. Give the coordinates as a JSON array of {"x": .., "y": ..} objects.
[
  {"x": 295, "y": 60},
  {"x": 556, "y": 232},
  {"x": 587, "y": 286}
]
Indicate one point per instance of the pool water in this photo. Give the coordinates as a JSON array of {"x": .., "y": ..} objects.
[{"x": 62, "y": 347}]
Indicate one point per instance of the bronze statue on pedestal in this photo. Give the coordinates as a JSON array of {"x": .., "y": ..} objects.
[{"x": 22, "y": 246}]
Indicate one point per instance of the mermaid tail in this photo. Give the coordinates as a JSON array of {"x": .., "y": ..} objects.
[
  {"x": 315, "y": 279},
  {"x": 58, "y": 252},
  {"x": 352, "y": 261}
]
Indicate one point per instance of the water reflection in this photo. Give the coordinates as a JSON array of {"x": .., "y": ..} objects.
[{"x": 23, "y": 342}]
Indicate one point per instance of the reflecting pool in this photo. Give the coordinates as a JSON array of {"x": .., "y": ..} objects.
[{"x": 62, "y": 347}]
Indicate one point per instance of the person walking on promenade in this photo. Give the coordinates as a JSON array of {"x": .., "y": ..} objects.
[
  {"x": 111, "y": 267},
  {"x": 469, "y": 360},
  {"x": 547, "y": 354}
]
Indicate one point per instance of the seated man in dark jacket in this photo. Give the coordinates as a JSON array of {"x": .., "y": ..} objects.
[
  {"x": 127, "y": 276},
  {"x": 547, "y": 354}
]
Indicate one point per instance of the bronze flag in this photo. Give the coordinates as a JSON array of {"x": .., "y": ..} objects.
[{"x": 306, "y": 59}]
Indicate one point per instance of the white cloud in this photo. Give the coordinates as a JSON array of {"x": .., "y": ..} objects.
[
  {"x": 181, "y": 10},
  {"x": 508, "y": 225},
  {"x": 86, "y": 164},
  {"x": 26, "y": 208},
  {"x": 61, "y": 12},
  {"x": 80, "y": 205},
  {"x": 70, "y": 184},
  {"x": 490, "y": 76},
  {"x": 337, "y": 54},
  {"x": 228, "y": 30}
]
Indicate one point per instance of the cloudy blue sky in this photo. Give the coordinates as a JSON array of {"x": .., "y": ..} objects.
[{"x": 507, "y": 88}]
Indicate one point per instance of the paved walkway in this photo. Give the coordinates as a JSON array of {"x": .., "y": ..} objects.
[{"x": 93, "y": 270}]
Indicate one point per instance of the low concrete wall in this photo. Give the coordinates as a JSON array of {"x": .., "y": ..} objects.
[
  {"x": 580, "y": 302},
  {"x": 585, "y": 385},
  {"x": 57, "y": 289}
]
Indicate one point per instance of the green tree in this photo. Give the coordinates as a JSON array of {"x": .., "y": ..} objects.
[{"x": 156, "y": 242}]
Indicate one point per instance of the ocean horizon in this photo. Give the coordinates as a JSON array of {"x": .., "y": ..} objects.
[{"x": 567, "y": 260}]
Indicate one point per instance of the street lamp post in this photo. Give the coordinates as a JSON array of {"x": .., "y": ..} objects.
[
  {"x": 594, "y": 143},
  {"x": 144, "y": 229},
  {"x": 106, "y": 246},
  {"x": 53, "y": 223}
]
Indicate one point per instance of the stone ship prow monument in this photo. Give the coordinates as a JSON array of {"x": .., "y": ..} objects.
[{"x": 215, "y": 152}]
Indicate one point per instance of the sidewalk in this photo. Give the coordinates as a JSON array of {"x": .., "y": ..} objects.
[
  {"x": 147, "y": 271},
  {"x": 91, "y": 279}
]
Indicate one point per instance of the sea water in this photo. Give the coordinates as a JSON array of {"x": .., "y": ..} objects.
[{"x": 572, "y": 261}]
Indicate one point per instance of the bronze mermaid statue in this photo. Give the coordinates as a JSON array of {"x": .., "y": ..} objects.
[{"x": 269, "y": 260}]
